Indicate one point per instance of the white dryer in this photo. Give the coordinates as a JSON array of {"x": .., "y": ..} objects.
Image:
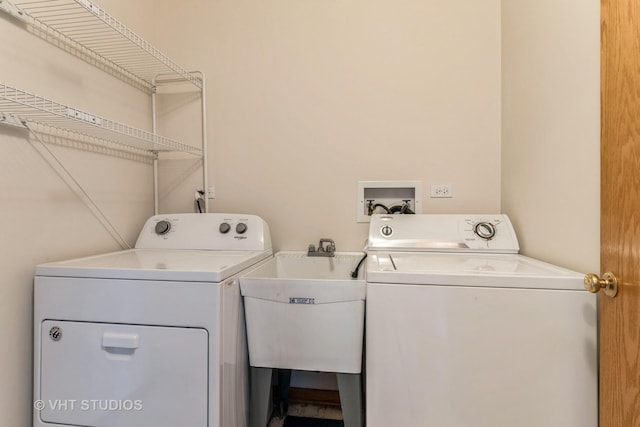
[
  {"x": 149, "y": 337},
  {"x": 462, "y": 331}
]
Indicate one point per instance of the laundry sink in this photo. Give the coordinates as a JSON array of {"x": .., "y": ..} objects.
[{"x": 305, "y": 313}]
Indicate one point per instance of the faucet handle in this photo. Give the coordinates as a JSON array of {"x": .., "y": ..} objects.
[
  {"x": 331, "y": 246},
  {"x": 328, "y": 250}
]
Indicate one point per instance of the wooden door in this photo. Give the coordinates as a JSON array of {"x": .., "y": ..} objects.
[{"x": 620, "y": 210}]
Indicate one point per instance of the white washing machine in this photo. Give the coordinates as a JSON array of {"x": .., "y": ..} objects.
[
  {"x": 149, "y": 337},
  {"x": 461, "y": 331}
]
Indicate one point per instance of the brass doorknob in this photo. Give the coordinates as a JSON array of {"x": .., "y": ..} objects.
[{"x": 608, "y": 283}]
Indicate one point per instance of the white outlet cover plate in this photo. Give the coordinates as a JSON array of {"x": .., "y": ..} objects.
[{"x": 441, "y": 191}]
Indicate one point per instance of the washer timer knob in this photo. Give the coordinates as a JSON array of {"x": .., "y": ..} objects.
[
  {"x": 241, "y": 228},
  {"x": 386, "y": 231},
  {"x": 485, "y": 230},
  {"x": 163, "y": 227},
  {"x": 224, "y": 228}
]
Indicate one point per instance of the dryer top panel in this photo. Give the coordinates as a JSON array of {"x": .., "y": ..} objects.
[
  {"x": 178, "y": 247},
  {"x": 443, "y": 233},
  {"x": 210, "y": 231},
  {"x": 157, "y": 264}
]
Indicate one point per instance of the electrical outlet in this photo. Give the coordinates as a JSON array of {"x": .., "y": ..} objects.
[
  {"x": 211, "y": 192},
  {"x": 443, "y": 191}
]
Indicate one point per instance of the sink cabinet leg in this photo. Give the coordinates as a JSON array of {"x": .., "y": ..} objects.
[
  {"x": 260, "y": 396},
  {"x": 284, "y": 381},
  {"x": 350, "y": 388}
]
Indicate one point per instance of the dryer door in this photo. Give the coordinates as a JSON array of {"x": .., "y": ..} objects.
[{"x": 101, "y": 374}]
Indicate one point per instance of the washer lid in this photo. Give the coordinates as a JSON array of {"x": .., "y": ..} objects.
[
  {"x": 482, "y": 270},
  {"x": 157, "y": 264}
]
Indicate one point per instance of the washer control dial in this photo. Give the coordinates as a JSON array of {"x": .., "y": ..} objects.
[
  {"x": 241, "y": 228},
  {"x": 163, "y": 227},
  {"x": 224, "y": 228},
  {"x": 386, "y": 230},
  {"x": 485, "y": 230}
]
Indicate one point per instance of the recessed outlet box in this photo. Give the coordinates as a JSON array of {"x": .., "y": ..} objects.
[{"x": 390, "y": 194}]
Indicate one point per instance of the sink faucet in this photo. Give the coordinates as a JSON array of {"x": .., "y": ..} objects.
[{"x": 328, "y": 250}]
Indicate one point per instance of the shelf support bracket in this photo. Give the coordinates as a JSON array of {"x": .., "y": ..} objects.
[
  {"x": 13, "y": 10},
  {"x": 11, "y": 120},
  {"x": 156, "y": 191},
  {"x": 74, "y": 185}
]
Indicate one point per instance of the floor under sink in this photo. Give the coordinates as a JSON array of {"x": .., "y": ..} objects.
[{"x": 310, "y": 411}]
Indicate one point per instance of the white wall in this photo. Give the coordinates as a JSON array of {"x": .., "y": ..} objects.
[
  {"x": 551, "y": 128},
  {"x": 42, "y": 219},
  {"x": 307, "y": 98}
]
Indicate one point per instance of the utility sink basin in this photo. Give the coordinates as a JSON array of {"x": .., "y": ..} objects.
[{"x": 305, "y": 313}]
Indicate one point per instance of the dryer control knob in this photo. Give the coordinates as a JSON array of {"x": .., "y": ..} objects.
[
  {"x": 224, "y": 228},
  {"x": 241, "y": 228},
  {"x": 163, "y": 227},
  {"x": 485, "y": 230}
]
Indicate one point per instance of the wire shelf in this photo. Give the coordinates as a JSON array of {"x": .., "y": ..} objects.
[
  {"x": 45, "y": 112},
  {"x": 84, "y": 26}
]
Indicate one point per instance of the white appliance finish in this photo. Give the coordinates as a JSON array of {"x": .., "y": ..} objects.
[
  {"x": 153, "y": 336},
  {"x": 459, "y": 334}
]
